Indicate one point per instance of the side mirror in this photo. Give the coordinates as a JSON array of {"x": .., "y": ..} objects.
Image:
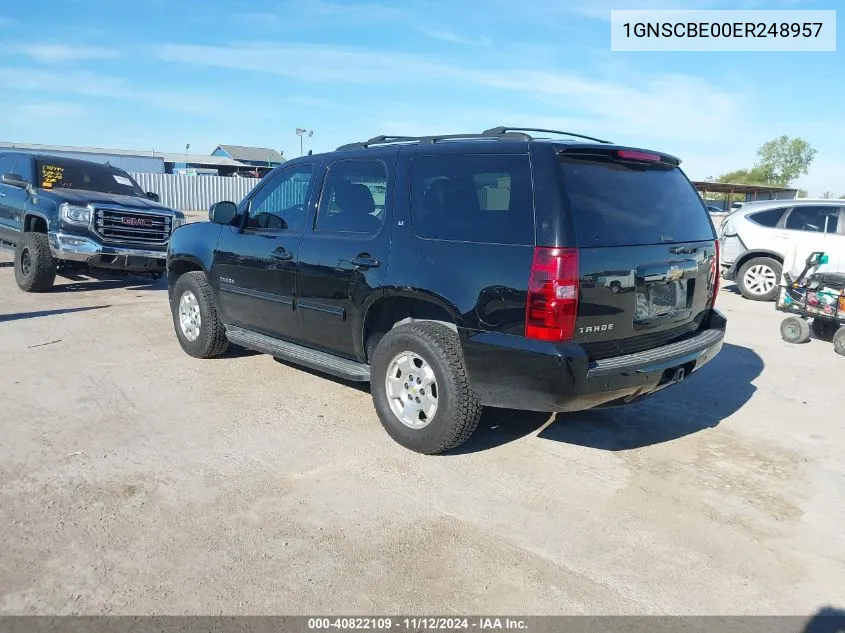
[
  {"x": 153, "y": 196},
  {"x": 15, "y": 180},
  {"x": 223, "y": 212}
]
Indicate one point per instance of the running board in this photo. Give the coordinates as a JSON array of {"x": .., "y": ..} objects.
[{"x": 321, "y": 361}]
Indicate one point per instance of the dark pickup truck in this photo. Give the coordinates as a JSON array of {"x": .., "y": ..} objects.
[{"x": 61, "y": 213}]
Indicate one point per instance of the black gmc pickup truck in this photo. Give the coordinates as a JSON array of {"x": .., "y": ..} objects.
[
  {"x": 61, "y": 213},
  {"x": 455, "y": 272}
]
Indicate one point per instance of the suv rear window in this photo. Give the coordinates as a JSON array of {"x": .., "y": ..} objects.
[
  {"x": 626, "y": 204},
  {"x": 473, "y": 198}
]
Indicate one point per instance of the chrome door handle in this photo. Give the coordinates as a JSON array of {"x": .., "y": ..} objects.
[
  {"x": 365, "y": 262},
  {"x": 281, "y": 254}
]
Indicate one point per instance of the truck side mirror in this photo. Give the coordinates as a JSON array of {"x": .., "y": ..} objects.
[
  {"x": 223, "y": 212},
  {"x": 153, "y": 196}
]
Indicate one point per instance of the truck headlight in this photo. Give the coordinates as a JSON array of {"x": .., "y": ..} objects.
[
  {"x": 75, "y": 215},
  {"x": 177, "y": 222}
]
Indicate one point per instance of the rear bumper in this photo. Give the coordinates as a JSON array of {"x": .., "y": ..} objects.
[
  {"x": 517, "y": 373},
  {"x": 77, "y": 248}
]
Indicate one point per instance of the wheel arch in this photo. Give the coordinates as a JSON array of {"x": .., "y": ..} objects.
[
  {"x": 393, "y": 309},
  {"x": 35, "y": 223},
  {"x": 758, "y": 252}
]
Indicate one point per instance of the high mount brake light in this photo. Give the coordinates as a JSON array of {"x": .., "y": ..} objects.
[
  {"x": 630, "y": 154},
  {"x": 553, "y": 289}
]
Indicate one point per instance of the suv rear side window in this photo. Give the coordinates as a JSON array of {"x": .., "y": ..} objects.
[
  {"x": 473, "y": 198},
  {"x": 813, "y": 219},
  {"x": 769, "y": 218},
  {"x": 625, "y": 204}
]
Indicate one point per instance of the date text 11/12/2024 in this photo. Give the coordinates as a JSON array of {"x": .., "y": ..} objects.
[{"x": 417, "y": 623}]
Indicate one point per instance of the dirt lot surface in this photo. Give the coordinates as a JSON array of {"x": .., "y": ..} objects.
[{"x": 134, "y": 479}]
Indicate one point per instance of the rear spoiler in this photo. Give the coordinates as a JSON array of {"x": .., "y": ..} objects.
[{"x": 626, "y": 154}]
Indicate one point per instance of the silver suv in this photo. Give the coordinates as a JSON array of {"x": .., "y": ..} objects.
[{"x": 755, "y": 239}]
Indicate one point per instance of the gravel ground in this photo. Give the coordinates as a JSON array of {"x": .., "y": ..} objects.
[{"x": 137, "y": 480}]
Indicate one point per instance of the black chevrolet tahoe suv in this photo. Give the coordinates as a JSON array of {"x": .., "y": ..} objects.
[
  {"x": 60, "y": 214},
  {"x": 456, "y": 272}
]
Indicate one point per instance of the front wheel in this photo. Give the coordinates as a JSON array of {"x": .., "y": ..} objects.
[
  {"x": 198, "y": 327},
  {"x": 421, "y": 389},
  {"x": 35, "y": 268},
  {"x": 795, "y": 330},
  {"x": 758, "y": 279}
]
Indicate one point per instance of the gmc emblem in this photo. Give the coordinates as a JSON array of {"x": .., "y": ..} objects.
[{"x": 136, "y": 221}]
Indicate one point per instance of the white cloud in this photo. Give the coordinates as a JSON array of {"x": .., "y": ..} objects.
[
  {"x": 51, "y": 111},
  {"x": 446, "y": 35},
  {"x": 95, "y": 85},
  {"x": 665, "y": 106},
  {"x": 62, "y": 53}
]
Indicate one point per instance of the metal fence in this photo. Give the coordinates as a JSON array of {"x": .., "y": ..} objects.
[{"x": 195, "y": 193}]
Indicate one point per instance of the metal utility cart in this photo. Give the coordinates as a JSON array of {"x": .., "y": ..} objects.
[{"x": 820, "y": 297}]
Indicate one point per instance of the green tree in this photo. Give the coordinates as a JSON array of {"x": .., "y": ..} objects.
[
  {"x": 827, "y": 195},
  {"x": 780, "y": 162},
  {"x": 784, "y": 159}
]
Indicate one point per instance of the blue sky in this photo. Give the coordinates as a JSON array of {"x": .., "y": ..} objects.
[{"x": 157, "y": 74}]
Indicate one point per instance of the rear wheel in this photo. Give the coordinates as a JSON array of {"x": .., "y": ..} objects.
[
  {"x": 758, "y": 278},
  {"x": 839, "y": 341},
  {"x": 35, "y": 268},
  {"x": 421, "y": 389},
  {"x": 198, "y": 327},
  {"x": 795, "y": 330},
  {"x": 824, "y": 330}
]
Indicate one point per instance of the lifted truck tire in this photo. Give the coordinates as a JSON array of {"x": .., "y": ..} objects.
[
  {"x": 435, "y": 352},
  {"x": 198, "y": 326},
  {"x": 35, "y": 268}
]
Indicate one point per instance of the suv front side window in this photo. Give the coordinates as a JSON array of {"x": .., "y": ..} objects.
[
  {"x": 353, "y": 197},
  {"x": 819, "y": 219},
  {"x": 280, "y": 204}
]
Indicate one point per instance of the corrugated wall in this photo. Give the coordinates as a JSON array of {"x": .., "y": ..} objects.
[{"x": 195, "y": 193}]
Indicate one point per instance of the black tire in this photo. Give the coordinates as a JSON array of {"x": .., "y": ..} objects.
[
  {"x": 615, "y": 287},
  {"x": 211, "y": 340},
  {"x": 795, "y": 330},
  {"x": 35, "y": 268},
  {"x": 767, "y": 263},
  {"x": 839, "y": 341},
  {"x": 823, "y": 329},
  {"x": 458, "y": 410}
]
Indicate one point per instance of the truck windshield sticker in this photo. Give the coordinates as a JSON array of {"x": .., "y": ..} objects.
[
  {"x": 50, "y": 175},
  {"x": 123, "y": 180}
]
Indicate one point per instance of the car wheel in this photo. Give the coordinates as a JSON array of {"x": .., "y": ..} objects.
[
  {"x": 839, "y": 341},
  {"x": 795, "y": 330},
  {"x": 421, "y": 388},
  {"x": 198, "y": 326},
  {"x": 823, "y": 330},
  {"x": 615, "y": 287},
  {"x": 758, "y": 279},
  {"x": 35, "y": 268}
]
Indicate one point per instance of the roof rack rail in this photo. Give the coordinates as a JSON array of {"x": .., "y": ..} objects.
[
  {"x": 498, "y": 131},
  {"x": 423, "y": 140}
]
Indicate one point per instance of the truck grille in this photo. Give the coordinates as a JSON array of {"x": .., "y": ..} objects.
[{"x": 123, "y": 225}]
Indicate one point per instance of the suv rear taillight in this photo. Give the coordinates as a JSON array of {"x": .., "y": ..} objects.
[
  {"x": 552, "y": 294},
  {"x": 715, "y": 272}
]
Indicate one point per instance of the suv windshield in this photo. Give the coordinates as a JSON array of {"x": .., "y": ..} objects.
[
  {"x": 56, "y": 173},
  {"x": 626, "y": 204}
]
